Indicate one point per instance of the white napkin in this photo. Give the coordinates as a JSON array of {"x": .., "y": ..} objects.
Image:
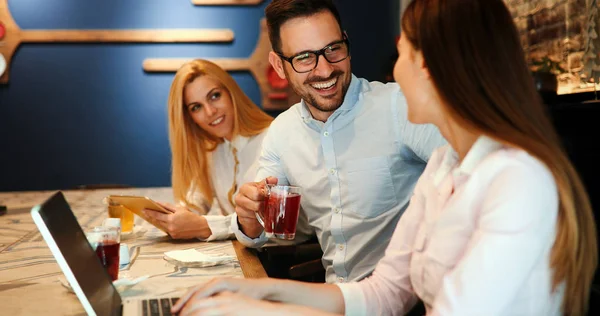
[{"x": 195, "y": 258}]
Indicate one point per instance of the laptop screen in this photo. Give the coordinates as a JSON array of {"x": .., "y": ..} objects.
[{"x": 80, "y": 257}]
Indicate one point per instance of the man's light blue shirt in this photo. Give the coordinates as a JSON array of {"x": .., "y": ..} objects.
[{"x": 357, "y": 172}]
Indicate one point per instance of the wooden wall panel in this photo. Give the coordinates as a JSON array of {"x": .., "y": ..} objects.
[
  {"x": 14, "y": 36},
  {"x": 276, "y": 93}
]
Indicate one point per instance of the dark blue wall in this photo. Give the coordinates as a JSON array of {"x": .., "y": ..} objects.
[
  {"x": 372, "y": 27},
  {"x": 87, "y": 113}
]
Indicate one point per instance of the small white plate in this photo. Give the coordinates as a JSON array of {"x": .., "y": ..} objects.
[{"x": 136, "y": 232}]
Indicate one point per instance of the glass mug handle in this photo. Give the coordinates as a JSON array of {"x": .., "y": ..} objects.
[{"x": 258, "y": 214}]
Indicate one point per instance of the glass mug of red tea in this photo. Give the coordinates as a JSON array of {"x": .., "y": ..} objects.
[
  {"x": 106, "y": 242},
  {"x": 280, "y": 213}
]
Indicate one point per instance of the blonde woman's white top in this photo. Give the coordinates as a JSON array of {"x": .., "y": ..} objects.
[{"x": 222, "y": 176}]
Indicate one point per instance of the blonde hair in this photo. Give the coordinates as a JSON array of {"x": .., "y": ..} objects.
[
  {"x": 501, "y": 101},
  {"x": 191, "y": 145}
]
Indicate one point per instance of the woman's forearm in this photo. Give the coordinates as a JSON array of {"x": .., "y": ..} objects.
[
  {"x": 203, "y": 229},
  {"x": 325, "y": 297},
  {"x": 297, "y": 310}
]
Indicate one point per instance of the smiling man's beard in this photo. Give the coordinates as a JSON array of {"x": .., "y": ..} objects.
[{"x": 311, "y": 99}]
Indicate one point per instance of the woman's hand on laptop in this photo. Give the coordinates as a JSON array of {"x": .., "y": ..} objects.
[
  {"x": 211, "y": 293},
  {"x": 228, "y": 303},
  {"x": 234, "y": 296},
  {"x": 182, "y": 223}
]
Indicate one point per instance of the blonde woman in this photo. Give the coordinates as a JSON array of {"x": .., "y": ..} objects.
[{"x": 216, "y": 133}]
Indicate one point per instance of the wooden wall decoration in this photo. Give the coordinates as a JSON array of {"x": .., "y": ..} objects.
[
  {"x": 276, "y": 92},
  {"x": 13, "y": 36}
]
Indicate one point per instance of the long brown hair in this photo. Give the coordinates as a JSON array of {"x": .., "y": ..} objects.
[
  {"x": 191, "y": 145},
  {"x": 477, "y": 64}
]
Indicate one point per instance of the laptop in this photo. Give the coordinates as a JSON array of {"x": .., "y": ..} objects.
[{"x": 82, "y": 268}]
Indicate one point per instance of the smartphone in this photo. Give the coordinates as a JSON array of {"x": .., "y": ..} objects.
[{"x": 138, "y": 203}]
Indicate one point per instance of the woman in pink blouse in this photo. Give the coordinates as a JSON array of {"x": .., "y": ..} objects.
[{"x": 499, "y": 223}]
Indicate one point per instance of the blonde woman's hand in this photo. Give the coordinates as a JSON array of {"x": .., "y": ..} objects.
[{"x": 182, "y": 223}]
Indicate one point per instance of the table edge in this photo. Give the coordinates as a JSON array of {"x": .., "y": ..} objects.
[{"x": 249, "y": 262}]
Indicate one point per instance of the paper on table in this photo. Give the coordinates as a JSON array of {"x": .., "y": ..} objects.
[
  {"x": 121, "y": 285},
  {"x": 194, "y": 258}
]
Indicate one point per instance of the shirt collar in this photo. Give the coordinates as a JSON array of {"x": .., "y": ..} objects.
[
  {"x": 482, "y": 147},
  {"x": 238, "y": 142},
  {"x": 352, "y": 96}
]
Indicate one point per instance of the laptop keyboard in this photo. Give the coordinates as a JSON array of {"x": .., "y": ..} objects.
[{"x": 158, "y": 307}]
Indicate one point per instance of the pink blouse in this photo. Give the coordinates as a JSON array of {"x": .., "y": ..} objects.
[{"x": 475, "y": 240}]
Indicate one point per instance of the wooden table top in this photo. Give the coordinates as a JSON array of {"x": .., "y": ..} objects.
[{"x": 29, "y": 272}]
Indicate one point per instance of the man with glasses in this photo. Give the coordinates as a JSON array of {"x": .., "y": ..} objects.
[{"x": 348, "y": 144}]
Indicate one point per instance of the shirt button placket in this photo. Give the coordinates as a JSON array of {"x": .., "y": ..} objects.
[{"x": 327, "y": 143}]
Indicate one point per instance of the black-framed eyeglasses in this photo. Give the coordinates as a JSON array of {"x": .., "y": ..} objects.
[{"x": 308, "y": 60}]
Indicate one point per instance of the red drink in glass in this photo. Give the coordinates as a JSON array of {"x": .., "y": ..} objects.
[
  {"x": 285, "y": 215},
  {"x": 106, "y": 242},
  {"x": 108, "y": 253},
  {"x": 280, "y": 214}
]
